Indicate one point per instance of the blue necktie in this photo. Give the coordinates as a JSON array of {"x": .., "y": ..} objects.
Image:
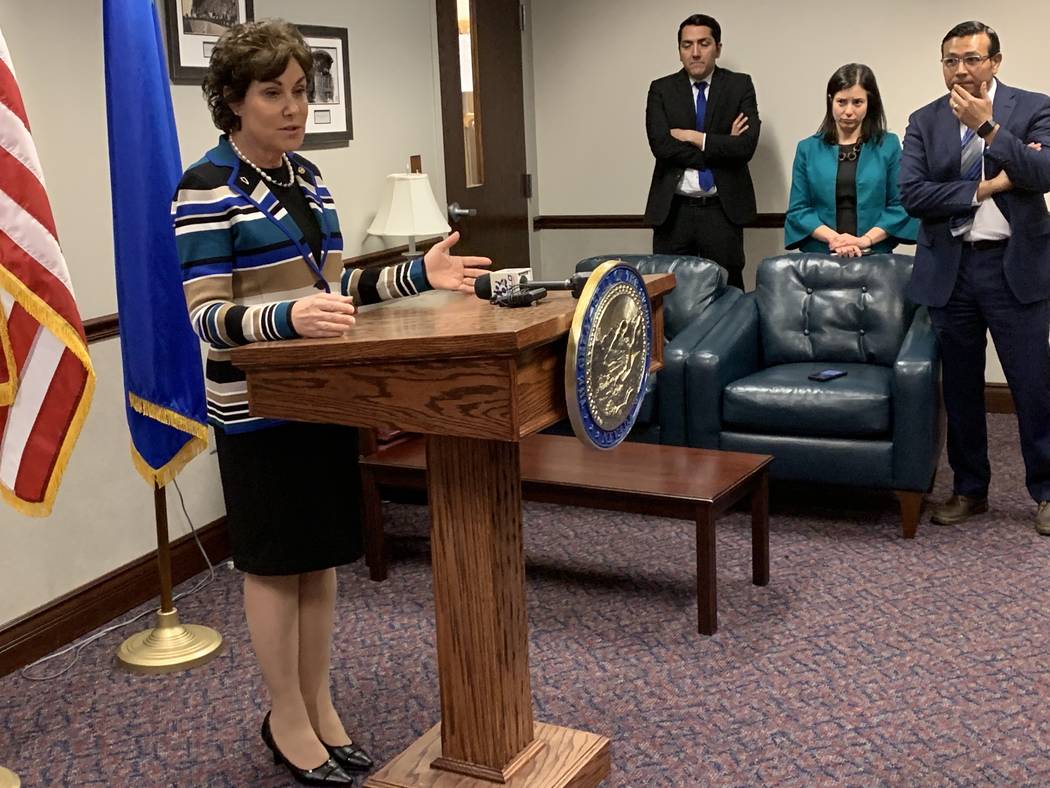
[
  {"x": 707, "y": 179},
  {"x": 970, "y": 170}
]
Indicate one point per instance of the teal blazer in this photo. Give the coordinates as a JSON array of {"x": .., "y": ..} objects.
[{"x": 812, "y": 200}]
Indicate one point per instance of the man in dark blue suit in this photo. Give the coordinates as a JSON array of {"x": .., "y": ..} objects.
[{"x": 975, "y": 167}]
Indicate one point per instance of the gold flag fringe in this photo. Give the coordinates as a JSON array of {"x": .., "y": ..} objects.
[
  {"x": 198, "y": 442},
  {"x": 74, "y": 341},
  {"x": 9, "y": 386}
]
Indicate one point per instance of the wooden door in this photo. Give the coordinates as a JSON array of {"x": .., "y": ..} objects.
[{"x": 483, "y": 120}]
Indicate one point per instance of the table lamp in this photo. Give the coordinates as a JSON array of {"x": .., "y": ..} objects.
[{"x": 408, "y": 208}]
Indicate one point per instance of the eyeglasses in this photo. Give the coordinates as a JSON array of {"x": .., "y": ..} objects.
[{"x": 970, "y": 61}]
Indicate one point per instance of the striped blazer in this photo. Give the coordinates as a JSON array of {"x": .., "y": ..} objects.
[{"x": 244, "y": 263}]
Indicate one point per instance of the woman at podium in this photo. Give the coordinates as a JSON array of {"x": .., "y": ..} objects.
[{"x": 261, "y": 251}]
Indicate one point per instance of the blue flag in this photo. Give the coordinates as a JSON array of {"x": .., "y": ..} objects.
[{"x": 163, "y": 379}]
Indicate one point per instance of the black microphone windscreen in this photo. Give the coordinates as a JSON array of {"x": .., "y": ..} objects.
[{"x": 483, "y": 287}]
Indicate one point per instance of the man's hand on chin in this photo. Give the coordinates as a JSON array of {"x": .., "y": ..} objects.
[{"x": 971, "y": 110}]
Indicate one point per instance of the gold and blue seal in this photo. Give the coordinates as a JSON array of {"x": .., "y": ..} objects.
[{"x": 609, "y": 353}]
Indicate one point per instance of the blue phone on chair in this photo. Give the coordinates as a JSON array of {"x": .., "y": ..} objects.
[{"x": 827, "y": 374}]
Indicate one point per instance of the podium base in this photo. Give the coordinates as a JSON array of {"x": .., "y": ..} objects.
[
  {"x": 169, "y": 646},
  {"x": 565, "y": 758},
  {"x": 8, "y": 779}
]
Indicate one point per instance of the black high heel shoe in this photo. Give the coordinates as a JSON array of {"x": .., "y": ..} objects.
[
  {"x": 328, "y": 773},
  {"x": 350, "y": 757}
]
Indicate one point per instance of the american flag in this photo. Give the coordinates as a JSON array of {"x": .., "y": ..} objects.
[{"x": 46, "y": 378}]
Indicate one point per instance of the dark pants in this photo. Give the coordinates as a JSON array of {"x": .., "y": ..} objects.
[
  {"x": 700, "y": 228},
  {"x": 982, "y": 302}
]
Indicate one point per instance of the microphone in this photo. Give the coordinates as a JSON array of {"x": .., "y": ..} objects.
[
  {"x": 483, "y": 287},
  {"x": 520, "y": 295},
  {"x": 575, "y": 283},
  {"x": 517, "y": 295}
]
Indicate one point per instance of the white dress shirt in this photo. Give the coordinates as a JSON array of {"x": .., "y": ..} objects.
[{"x": 989, "y": 224}]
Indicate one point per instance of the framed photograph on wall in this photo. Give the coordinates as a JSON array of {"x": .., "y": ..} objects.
[
  {"x": 329, "y": 122},
  {"x": 193, "y": 27}
]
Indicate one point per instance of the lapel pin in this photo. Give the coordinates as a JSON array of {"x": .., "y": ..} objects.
[
  {"x": 244, "y": 180},
  {"x": 302, "y": 170}
]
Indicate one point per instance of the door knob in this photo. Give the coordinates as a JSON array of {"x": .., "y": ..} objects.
[{"x": 455, "y": 212}]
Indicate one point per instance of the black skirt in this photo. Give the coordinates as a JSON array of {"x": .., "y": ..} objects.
[{"x": 293, "y": 497}]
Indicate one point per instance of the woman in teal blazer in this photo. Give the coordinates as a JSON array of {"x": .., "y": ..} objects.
[{"x": 844, "y": 195}]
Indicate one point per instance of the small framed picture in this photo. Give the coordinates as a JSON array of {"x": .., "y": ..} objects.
[
  {"x": 329, "y": 122},
  {"x": 193, "y": 27}
]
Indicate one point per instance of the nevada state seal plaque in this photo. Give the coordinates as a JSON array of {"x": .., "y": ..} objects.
[{"x": 610, "y": 348}]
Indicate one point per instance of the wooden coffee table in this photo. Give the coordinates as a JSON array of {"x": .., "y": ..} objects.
[{"x": 664, "y": 481}]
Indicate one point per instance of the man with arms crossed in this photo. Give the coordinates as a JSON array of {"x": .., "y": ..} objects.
[
  {"x": 702, "y": 123},
  {"x": 975, "y": 167}
]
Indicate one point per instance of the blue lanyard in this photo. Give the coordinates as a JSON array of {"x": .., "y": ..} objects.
[
  {"x": 326, "y": 236},
  {"x": 304, "y": 252}
]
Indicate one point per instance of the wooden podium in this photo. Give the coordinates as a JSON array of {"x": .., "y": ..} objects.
[{"x": 475, "y": 378}]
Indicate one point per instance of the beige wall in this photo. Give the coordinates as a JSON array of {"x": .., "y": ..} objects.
[
  {"x": 104, "y": 514},
  {"x": 593, "y": 61}
]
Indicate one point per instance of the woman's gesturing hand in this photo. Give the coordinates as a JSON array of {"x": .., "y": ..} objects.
[
  {"x": 451, "y": 272},
  {"x": 323, "y": 315}
]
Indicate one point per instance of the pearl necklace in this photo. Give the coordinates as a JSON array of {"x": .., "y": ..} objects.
[{"x": 265, "y": 177}]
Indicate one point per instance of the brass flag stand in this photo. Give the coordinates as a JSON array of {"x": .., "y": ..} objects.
[
  {"x": 8, "y": 779},
  {"x": 170, "y": 645}
]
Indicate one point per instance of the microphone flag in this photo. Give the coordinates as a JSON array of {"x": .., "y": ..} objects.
[
  {"x": 496, "y": 283},
  {"x": 163, "y": 377}
]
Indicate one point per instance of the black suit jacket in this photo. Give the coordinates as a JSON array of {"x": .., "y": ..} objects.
[{"x": 670, "y": 105}]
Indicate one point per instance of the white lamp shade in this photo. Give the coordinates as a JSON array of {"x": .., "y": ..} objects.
[{"x": 408, "y": 208}]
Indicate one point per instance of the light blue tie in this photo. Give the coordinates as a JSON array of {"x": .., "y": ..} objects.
[
  {"x": 970, "y": 170},
  {"x": 707, "y": 179}
]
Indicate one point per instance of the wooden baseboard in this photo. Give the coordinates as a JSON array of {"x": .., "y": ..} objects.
[
  {"x": 628, "y": 222},
  {"x": 62, "y": 621},
  {"x": 998, "y": 399}
]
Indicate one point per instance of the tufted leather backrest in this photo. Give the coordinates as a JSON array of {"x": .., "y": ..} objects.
[
  {"x": 698, "y": 282},
  {"x": 814, "y": 307}
]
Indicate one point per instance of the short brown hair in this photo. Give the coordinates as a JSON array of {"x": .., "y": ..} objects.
[
  {"x": 702, "y": 20},
  {"x": 253, "y": 51}
]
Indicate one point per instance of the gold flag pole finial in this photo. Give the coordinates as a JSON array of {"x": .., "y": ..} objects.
[
  {"x": 8, "y": 779},
  {"x": 170, "y": 645}
]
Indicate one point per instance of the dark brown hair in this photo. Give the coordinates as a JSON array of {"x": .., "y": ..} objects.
[
  {"x": 702, "y": 20},
  {"x": 253, "y": 51},
  {"x": 973, "y": 28},
  {"x": 873, "y": 127}
]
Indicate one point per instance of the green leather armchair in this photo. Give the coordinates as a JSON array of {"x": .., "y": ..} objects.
[{"x": 879, "y": 426}]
